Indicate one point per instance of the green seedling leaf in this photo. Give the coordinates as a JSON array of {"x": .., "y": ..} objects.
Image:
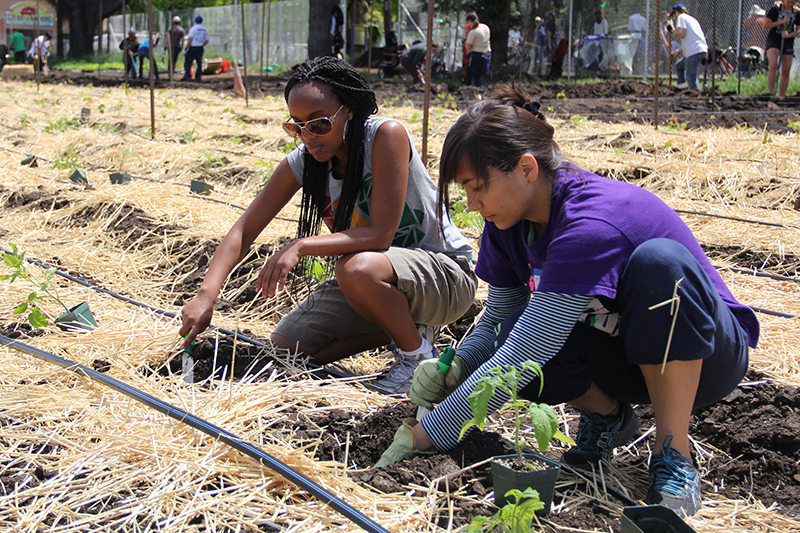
[
  {"x": 543, "y": 417},
  {"x": 21, "y": 308},
  {"x": 518, "y": 516},
  {"x": 37, "y": 319}
]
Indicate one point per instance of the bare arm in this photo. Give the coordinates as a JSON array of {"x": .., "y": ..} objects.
[
  {"x": 768, "y": 23},
  {"x": 390, "y": 158},
  {"x": 276, "y": 193}
]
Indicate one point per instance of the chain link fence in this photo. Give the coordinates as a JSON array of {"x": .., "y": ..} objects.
[
  {"x": 277, "y": 33},
  {"x": 730, "y": 26}
]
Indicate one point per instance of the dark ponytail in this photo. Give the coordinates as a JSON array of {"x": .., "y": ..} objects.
[{"x": 495, "y": 133}]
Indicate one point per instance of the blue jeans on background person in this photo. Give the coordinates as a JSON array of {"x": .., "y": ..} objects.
[
  {"x": 686, "y": 69},
  {"x": 478, "y": 66},
  {"x": 193, "y": 53}
]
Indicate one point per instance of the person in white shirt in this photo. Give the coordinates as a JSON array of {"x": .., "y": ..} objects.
[
  {"x": 195, "y": 43},
  {"x": 693, "y": 44},
  {"x": 40, "y": 49},
  {"x": 479, "y": 48}
]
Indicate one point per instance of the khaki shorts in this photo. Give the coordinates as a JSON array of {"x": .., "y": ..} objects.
[{"x": 439, "y": 288}]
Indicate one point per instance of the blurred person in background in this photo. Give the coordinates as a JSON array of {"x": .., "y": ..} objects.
[
  {"x": 195, "y": 44},
  {"x": 40, "y": 49},
  {"x": 144, "y": 56},
  {"x": 783, "y": 26},
  {"x": 129, "y": 47},
  {"x": 174, "y": 43},
  {"x": 479, "y": 49},
  {"x": 412, "y": 59},
  {"x": 18, "y": 46},
  {"x": 693, "y": 44}
]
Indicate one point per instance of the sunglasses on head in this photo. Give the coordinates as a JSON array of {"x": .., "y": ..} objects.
[{"x": 315, "y": 126}]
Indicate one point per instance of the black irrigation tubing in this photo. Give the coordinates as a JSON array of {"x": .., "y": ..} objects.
[
  {"x": 170, "y": 314},
  {"x": 199, "y": 424},
  {"x": 773, "y": 313},
  {"x": 760, "y": 274},
  {"x": 737, "y": 219}
]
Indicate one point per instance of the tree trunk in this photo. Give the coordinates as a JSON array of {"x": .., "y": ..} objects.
[
  {"x": 499, "y": 29},
  {"x": 83, "y": 22},
  {"x": 319, "y": 28},
  {"x": 387, "y": 20}
]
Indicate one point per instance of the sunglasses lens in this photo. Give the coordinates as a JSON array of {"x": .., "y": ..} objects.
[
  {"x": 319, "y": 126},
  {"x": 292, "y": 129}
]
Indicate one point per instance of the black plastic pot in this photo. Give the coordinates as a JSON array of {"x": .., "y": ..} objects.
[
  {"x": 652, "y": 519},
  {"x": 201, "y": 187},
  {"x": 543, "y": 481},
  {"x": 79, "y": 176},
  {"x": 78, "y": 318},
  {"x": 119, "y": 178}
]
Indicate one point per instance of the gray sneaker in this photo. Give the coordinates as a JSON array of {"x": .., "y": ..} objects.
[{"x": 398, "y": 379}]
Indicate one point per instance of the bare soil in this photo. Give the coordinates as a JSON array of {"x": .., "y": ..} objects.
[
  {"x": 751, "y": 461},
  {"x": 613, "y": 100}
]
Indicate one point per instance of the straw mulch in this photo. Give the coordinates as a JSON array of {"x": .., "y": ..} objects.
[{"x": 81, "y": 457}]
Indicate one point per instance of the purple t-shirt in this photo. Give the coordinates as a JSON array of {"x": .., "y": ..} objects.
[{"x": 595, "y": 225}]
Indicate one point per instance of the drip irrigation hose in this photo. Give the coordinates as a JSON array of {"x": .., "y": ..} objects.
[
  {"x": 170, "y": 314},
  {"x": 737, "y": 219},
  {"x": 199, "y": 424}
]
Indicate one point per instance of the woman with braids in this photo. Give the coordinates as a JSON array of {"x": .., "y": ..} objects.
[
  {"x": 363, "y": 178},
  {"x": 597, "y": 281}
]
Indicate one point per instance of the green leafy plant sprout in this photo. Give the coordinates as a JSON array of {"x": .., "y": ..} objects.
[
  {"x": 62, "y": 124},
  {"x": 212, "y": 160},
  {"x": 542, "y": 415},
  {"x": 267, "y": 168},
  {"x": 463, "y": 217},
  {"x": 317, "y": 269},
  {"x": 516, "y": 517},
  {"x": 43, "y": 283},
  {"x": 767, "y": 139},
  {"x": 25, "y": 120},
  {"x": 124, "y": 156},
  {"x": 578, "y": 119},
  {"x": 187, "y": 136},
  {"x": 794, "y": 125},
  {"x": 287, "y": 147},
  {"x": 67, "y": 160}
]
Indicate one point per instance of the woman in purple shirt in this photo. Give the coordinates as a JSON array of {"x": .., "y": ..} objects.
[{"x": 597, "y": 281}]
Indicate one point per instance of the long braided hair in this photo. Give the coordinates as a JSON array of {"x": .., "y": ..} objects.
[{"x": 351, "y": 89}]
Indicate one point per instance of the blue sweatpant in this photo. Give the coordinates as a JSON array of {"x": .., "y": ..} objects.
[{"x": 705, "y": 329}]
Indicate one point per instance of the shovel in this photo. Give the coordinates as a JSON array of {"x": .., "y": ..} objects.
[{"x": 445, "y": 360}]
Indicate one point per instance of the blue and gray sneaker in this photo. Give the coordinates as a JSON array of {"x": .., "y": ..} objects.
[
  {"x": 599, "y": 435},
  {"x": 674, "y": 481}
]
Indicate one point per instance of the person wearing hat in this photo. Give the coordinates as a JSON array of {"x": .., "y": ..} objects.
[
  {"x": 693, "y": 44},
  {"x": 174, "y": 44},
  {"x": 195, "y": 43},
  {"x": 783, "y": 24},
  {"x": 129, "y": 47}
]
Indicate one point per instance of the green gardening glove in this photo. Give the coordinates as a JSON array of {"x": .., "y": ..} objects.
[
  {"x": 403, "y": 447},
  {"x": 430, "y": 386}
]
